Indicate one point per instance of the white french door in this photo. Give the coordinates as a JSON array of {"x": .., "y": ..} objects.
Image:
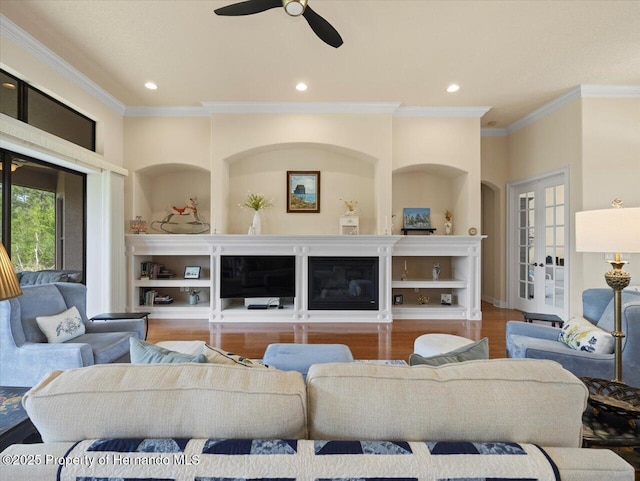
[{"x": 538, "y": 228}]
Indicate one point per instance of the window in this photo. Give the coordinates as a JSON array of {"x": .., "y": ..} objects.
[
  {"x": 43, "y": 214},
  {"x": 28, "y": 104}
]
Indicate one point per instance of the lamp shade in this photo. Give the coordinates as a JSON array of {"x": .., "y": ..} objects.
[
  {"x": 608, "y": 230},
  {"x": 9, "y": 285}
]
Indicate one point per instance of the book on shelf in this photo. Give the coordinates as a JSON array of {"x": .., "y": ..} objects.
[
  {"x": 153, "y": 270},
  {"x": 163, "y": 300},
  {"x": 147, "y": 296}
]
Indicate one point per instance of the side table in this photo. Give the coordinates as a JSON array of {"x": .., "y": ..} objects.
[
  {"x": 115, "y": 316},
  {"x": 537, "y": 316},
  {"x": 15, "y": 425},
  {"x": 612, "y": 417}
]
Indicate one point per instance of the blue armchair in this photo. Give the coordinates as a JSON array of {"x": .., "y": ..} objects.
[
  {"x": 25, "y": 355},
  {"x": 538, "y": 341}
]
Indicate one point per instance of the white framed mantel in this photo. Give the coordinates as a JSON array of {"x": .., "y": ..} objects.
[{"x": 207, "y": 249}]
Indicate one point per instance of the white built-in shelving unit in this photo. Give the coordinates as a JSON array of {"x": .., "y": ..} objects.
[{"x": 459, "y": 257}]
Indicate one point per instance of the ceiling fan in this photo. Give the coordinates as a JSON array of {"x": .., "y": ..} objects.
[{"x": 295, "y": 8}]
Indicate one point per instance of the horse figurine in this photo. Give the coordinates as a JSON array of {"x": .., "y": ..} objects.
[{"x": 191, "y": 209}]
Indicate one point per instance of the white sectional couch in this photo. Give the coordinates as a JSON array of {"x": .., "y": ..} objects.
[{"x": 511, "y": 417}]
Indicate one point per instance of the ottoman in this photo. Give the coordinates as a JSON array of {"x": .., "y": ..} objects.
[
  {"x": 429, "y": 345},
  {"x": 300, "y": 357}
]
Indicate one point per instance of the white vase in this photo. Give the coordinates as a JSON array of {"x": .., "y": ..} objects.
[{"x": 256, "y": 224}]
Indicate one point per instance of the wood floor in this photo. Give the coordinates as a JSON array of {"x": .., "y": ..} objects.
[{"x": 366, "y": 341}]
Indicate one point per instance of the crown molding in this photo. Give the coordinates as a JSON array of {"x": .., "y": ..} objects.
[
  {"x": 441, "y": 112},
  {"x": 166, "y": 112},
  {"x": 609, "y": 91},
  {"x": 493, "y": 132},
  {"x": 46, "y": 56},
  {"x": 300, "y": 107},
  {"x": 576, "y": 93},
  {"x": 548, "y": 108}
]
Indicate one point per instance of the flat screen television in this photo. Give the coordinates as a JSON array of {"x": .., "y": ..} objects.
[{"x": 257, "y": 276}]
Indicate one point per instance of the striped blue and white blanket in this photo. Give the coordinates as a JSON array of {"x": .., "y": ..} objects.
[{"x": 302, "y": 460}]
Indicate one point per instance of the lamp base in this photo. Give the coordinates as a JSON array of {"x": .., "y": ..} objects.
[{"x": 617, "y": 279}]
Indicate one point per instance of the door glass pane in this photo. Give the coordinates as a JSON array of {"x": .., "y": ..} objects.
[
  {"x": 560, "y": 215},
  {"x": 47, "y": 217},
  {"x": 554, "y": 245},
  {"x": 527, "y": 234}
]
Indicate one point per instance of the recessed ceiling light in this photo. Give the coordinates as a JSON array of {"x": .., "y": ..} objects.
[
  {"x": 301, "y": 87},
  {"x": 9, "y": 85},
  {"x": 151, "y": 86},
  {"x": 453, "y": 88}
]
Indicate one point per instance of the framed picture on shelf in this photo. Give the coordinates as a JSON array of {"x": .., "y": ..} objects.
[
  {"x": 398, "y": 299},
  {"x": 416, "y": 218},
  {"x": 303, "y": 191},
  {"x": 192, "y": 272},
  {"x": 445, "y": 299}
]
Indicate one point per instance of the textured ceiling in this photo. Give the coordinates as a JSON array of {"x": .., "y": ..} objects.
[{"x": 514, "y": 56}]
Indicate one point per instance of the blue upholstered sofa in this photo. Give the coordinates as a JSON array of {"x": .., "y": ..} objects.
[
  {"x": 538, "y": 341},
  {"x": 49, "y": 276},
  {"x": 25, "y": 354}
]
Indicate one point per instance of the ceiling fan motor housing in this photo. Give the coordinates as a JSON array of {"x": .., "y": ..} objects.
[{"x": 294, "y": 8}]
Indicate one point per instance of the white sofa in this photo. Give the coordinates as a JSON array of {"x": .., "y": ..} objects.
[{"x": 350, "y": 420}]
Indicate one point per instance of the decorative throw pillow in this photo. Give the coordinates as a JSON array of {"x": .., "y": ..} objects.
[
  {"x": 580, "y": 334},
  {"x": 61, "y": 327},
  {"x": 468, "y": 352},
  {"x": 218, "y": 356},
  {"x": 143, "y": 352}
]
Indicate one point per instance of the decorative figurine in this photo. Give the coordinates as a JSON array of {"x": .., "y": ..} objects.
[
  {"x": 448, "y": 225},
  {"x": 423, "y": 299},
  {"x": 435, "y": 273}
]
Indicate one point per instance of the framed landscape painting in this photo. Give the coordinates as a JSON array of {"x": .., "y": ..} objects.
[
  {"x": 303, "y": 191},
  {"x": 417, "y": 218}
]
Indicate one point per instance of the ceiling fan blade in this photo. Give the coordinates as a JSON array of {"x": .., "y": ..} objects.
[
  {"x": 248, "y": 8},
  {"x": 322, "y": 28}
]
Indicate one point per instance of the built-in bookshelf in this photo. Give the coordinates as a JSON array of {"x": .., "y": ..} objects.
[{"x": 458, "y": 257}]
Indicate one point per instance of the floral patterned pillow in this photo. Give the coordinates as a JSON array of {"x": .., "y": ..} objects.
[
  {"x": 218, "y": 356},
  {"x": 582, "y": 335},
  {"x": 61, "y": 327}
]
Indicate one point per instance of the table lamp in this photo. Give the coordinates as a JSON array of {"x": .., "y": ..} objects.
[
  {"x": 9, "y": 285},
  {"x": 612, "y": 231}
]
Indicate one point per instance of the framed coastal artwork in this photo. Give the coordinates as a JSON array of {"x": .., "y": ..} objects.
[
  {"x": 303, "y": 191},
  {"x": 416, "y": 218}
]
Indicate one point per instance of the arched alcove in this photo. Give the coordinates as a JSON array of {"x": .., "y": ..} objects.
[
  {"x": 160, "y": 187},
  {"x": 345, "y": 174},
  {"x": 434, "y": 186}
]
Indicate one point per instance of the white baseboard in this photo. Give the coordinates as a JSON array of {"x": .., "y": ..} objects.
[{"x": 495, "y": 302}]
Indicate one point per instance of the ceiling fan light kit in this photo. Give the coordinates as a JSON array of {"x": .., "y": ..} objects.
[
  {"x": 294, "y": 8},
  {"x": 323, "y": 29}
]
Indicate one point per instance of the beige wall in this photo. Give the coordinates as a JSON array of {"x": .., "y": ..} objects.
[
  {"x": 551, "y": 143},
  {"x": 158, "y": 150},
  {"x": 611, "y": 169},
  {"x": 599, "y": 141},
  {"x": 109, "y": 124},
  {"x": 105, "y": 242},
  {"x": 343, "y": 176},
  {"x": 454, "y": 143},
  {"x": 363, "y": 137}
]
